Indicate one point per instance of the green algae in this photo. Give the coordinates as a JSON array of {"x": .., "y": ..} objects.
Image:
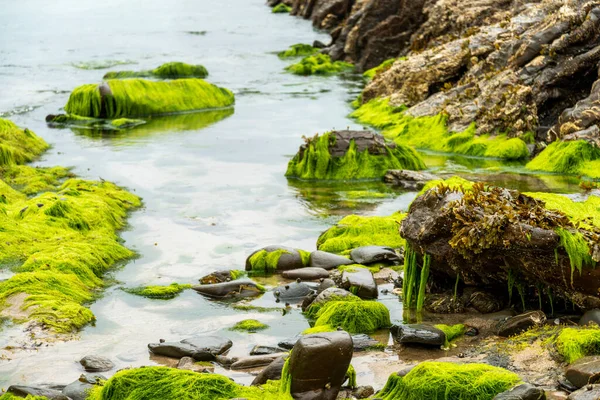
[
  {"x": 384, "y": 66},
  {"x": 355, "y": 231},
  {"x": 281, "y": 8},
  {"x": 251, "y": 307},
  {"x": 297, "y": 50},
  {"x": 139, "y": 97},
  {"x": 19, "y": 146},
  {"x": 351, "y": 376},
  {"x": 354, "y": 316},
  {"x": 10, "y": 396},
  {"x": 319, "y": 64},
  {"x": 452, "y": 331},
  {"x": 367, "y": 194},
  {"x": 316, "y": 162},
  {"x": 32, "y": 180},
  {"x": 448, "y": 381},
  {"x": 76, "y": 121},
  {"x": 312, "y": 312},
  {"x": 575, "y": 343},
  {"x": 158, "y": 292},
  {"x": 319, "y": 329},
  {"x": 454, "y": 183},
  {"x": 171, "y": 70},
  {"x": 431, "y": 132},
  {"x": 170, "y": 383},
  {"x": 265, "y": 262},
  {"x": 577, "y": 157},
  {"x": 577, "y": 249},
  {"x": 249, "y": 325},
  {"x": 583, "y": 214}
]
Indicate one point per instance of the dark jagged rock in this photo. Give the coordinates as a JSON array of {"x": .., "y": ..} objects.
[
  {"x": 325, "y": 260},
  {"x": 590, "y": 317},
  {"x": 520, "y": 323},
  {"x": 407, "y": 179},
  {"x": 584, "y": 371},
  {"x": 271, "y": 373},
  {"x": 318, "y": 365},
  {"x": 525, "y": 391},
  {"x": 239, "y": 288},
  {"x": 418, "y": 334},
  {"x": 360, "y": 282},
  {"x": 374, "y": 254},
  {"x": 589, "y": 392},
  {"x": 24, "y": 391},
  {"x": 78, "y": 390},
  {"x": 94, "y": 363},
  {"x": 306, "y": 274}
]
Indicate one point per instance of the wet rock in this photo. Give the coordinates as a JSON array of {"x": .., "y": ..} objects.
[
  {"x": 360, "y": 282},
  {"x": 217, "y": 277},
  {"x": 292, "y": 292},
  {"x": 584, "y": 371},
  {"x": 308, "y": 300},
  {"x": 240, "y": 288},
  {"x": 306, "y": 274},
  {"x": 24, "y": 391},
  {"x": 589, "y": 392},
  {"x": 407, "y": 179},
  {"x": 325, "y": 260},
  {"x": 78, "y": 390},
  {"x": 225, "y": 361},
  {"x": 189, "y": 364},
  {"x": 317, "y": 44},
  {"x": 173, "y": 349},
  {"x": 525, "y": 391},
  {"x": 590, "y": 316},
  {"x": 520, "y": 323},
  {"x": 212, "y": 344},
  {"x": 418, "y": 334},
  {"x": 271, "y": 373},
  {"x": 329, "y": 294},
  {"x": 363, "y": 392},
  {"x": 362, "y": 342},
  {"x": 94, "y": 363},
  {"x": 318, "y": 365},
  {"x": 260, "y": 350},
  {"x": 364, "y": 140},
  {"x": 485, "y": 302},
  {"x": 325, "y": 284},
  {"x": 374, "y": 254},
  {"x": 255, "y": 361},
  {"x": 289, "y": 343},
  {"x": 290, "y": 258}
]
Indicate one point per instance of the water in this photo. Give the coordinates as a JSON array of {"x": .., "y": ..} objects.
[{"x": 213, "y": 185}]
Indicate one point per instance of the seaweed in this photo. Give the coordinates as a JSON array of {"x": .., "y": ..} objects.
[
  {"x": 249, "y": 325},
  {"x": 354, "y": 316},
  {"x": 577, "y": 249},
  {"x": 452, "y": 331},
  {"x": 318, "y": 64},
  {"x": 576, "y": 157},
  {"x": 281, "y": 8},
  {"x": 171, "y": 70},
  {"x": 297, "y": 50},
  {"x": 158, "y": 292},
  {"x": 18, "y": 146},
  {"x": 265, "y": 262},
  {"x": 32, "y": 180},
  {"x": 575, "y": 343},
  {"x": 351, "y": 376}
]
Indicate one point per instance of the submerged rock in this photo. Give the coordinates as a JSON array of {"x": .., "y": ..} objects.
[
  {"x": 584, "y": 371},
  {"x": 418, "y": 334},
  {"x": 374, "y": 254},
  {"x": 24, "y": 391},
  {"x": 520, "y": 323},
  {"x": 325, "y": 260},
  {"x": 306, "y": 274},
  {"x": 240, "y": 288},
  {"x": 272, "y": 259},
  {"x": 94, "y": 363}
]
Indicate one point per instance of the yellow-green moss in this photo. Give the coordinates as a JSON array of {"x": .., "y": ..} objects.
[
  {"x": 315, "y": 162},
  {"x": 319, "y": 329},
  {"x": 454, "y": 183},
  {"x": 312, "y": 312},
  {"x": 452, "y": 331},
  {"x": 448, "y": 381},
  {"x": 577, "y": 157},
  {"x": 351, "y": 376},
  {"x": 583, "y": 214},
  {"x": 297, "y": 50},
  {"x": 158, "y": 292},
  {"x": 171, "y": 70},
  {"x": 355, "y": 231},
  {"x": 432, "y": 133},
  {"x": 139, "y": 97},
  {"x": 575, "y": 343},
  {"x": 354, "y": 316},
  {"x": 18, "y": 146},
  {"x": 265, "y": 262},
  {"x": 366, "y": 194},
  {"x": 281, "y": 8},
  {"x": 9, "y": 396},
  {"x": 319, "y": 64},
  {"x": 29, "y": 180},
  {"x": 249, "y": 325},
  {"x": 384, "y": 66}
]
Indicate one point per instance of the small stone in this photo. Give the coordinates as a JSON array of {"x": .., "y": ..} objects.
[
  {"x": 520, "y": 323},
  {"x": 374, "y": 254},
  {"x": 591, "y": 392},
  {"x": 524, "y": 391},
  {"x": 418, "y": 334},
  {"x": 96, "y": 363},
  {"x": 583, "y": 371},
  {"x": 590, "y": 317}
]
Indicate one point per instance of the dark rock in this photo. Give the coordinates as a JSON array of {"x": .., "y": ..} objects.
[
  {"x": 317, "y": 44},
  {"x": 565, "y": 384},
  {"x": 225, "y": 361},
  {"x": 290, "y": 259},
  {"x": 308, "y": 300},
  {"x": 271, "y": 373},
  {"x": 213, "y": 344},
  {"x": 418, "y": 334},
  {"x": 288, "y": 343},
  {"x": 325, "y": 260},
  {"x": 24, "y": 391},
  {"x": 407, "y": 179},
  {"x": 96, "y": 363},
  {"x": 471, "y": 331},
  {"x": 172, "y": 349},
  {"x": 589, "y": 392},
  {"x": 584, "y": 371},
  {"x": 360, "y": 282},
  {"x": 374, "y": 254},
  {"x": 485, "y": 302},
  {"x": 364, "y": 140},
  {"x": 216, "y": 277},
  {"x": 260, "y": 350},
  {"x": 590, "y": 316},
  {"x": 524, "y": 391},
  {"x": 405, "y": 371},
  {"x": 363, "y": 392},
  {"x": 292, "y": 291},
  {"x": 255, "y": 361},
  {"x": 362, "y": 342},
  {"x": 521, "y": 323},
  {"x": 78, "y": 390},
  {"x": 306, "y": 274},
  {"x": 234, "y": 289},
  {"x": 318, "y": 365}
]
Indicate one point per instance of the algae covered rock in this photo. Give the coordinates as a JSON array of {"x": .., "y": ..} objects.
[
  {"x": 138, "y": 97},
  {"x": 272, "y": 259},
  {"x": 327, "y": 261},
  {"x": 359, "y": 281},
  {"x": 240, "y": 288},
  {"x": 418, "y": 334},
  {"x": 297, "y": 50},
  {"x": 347, "y": 155},
  {"x": 318, "y": 64},
  {"x": 171, "y": 70}
]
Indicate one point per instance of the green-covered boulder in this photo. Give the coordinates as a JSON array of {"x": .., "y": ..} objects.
[{"x": 171, "y": 70}]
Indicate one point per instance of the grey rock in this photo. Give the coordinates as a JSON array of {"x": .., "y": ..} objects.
[
  {"x": 179, "y": 350},
  {"x": 525, "y": 391},
  {"x": 407, "y": 179},
  {"x": 584, "y": 371},
  {"x": 240, "y": 288},
  {"x": 590, "y": 316},
  {"x": 306, "y": 274},
  {"x": 360, "y": 282},
  {"x": 374, "y": 254},
  {"x": 24, "y": 391},
  {"x": 213, "y": 344},
  {"x": 325, "y": 284},
  {"x": 291, "y": 259},
  {"x": 325, "y": 260},
  {"x": 260, "y": 350},
  {"x": 364, "y": 140},
  {"x": 292, "y": 292},
  {"x": 363, "y": 392},
  {"x": 418, "y": 334},
  {"x": 78, "y": 390},
  {"x": 255, "y": 361},
  {"x": 521, "y": 323},
  {"x": 589, "y": 392},
  {"x": 271, "y": 373},
  {"x": 362, "y": 342},
  {"x": 94, "y": 363}
]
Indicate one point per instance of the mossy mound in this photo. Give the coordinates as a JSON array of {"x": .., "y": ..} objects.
[
  {"x": 170, "y": 383},
  {"x": 281, "y": 8},
  {"x": 444, "y": 381},
  {"x": 312, "y": 312},
  {"x": 574, "y": 343},
  {"x": 319, "y": 64},
  {"x": 354, "y": 316},
  {"x": 75, "y": 121},
  {"x": 171, "y": 70},
  {"x": 158, "y": 292},
  {"x": 33, "y": 180},
  {"x": 138, "y": 97},
  {"x": 355, "y": 231},
  {"x": 452, "y": 331},
  {"x": 267, "y": 261},
  {"x": 10, "y": 396},
  {"x": 577, "y": 158},
  {"x": 316, "y": 161},
  {"x": 18, "y": 146},
  {"x": 298, "y": 50},
  {"x": 432, "y": 133},
  {"x": 249, "y": 325}
]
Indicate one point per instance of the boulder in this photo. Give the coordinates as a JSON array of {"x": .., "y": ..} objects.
[
  {"x": 176, "y": 350},
  {"x": 524, "y": 391},
  {"x": 325, "y": 260},
  {"x": 584, "y": 371},
  {"x": 94, "y": 363},
  {"x": 78, "y": 390},
  {"x": 418, "y": 334},
  {"x": 200, "y": 348},
  {"x": 520, "y": 323},
  {"x": 294, "y": 291},
  {"x": 240, "y": 288},
  {"x": 374, "y": 254},
  {"x": 274, "y": 259},
  {"x": 589, "y": 392},
  {"x": 306, "y": 274},
  {"x": 213, "y": 344},
  {"x": 407, "y": 179},
  {"x": 24, "y": 391},
  {"x": 318, "y": 365},
  {"x": 590, "y": 316},
  {"x": 360, "y": 282},
  {"x": 271, "y": 373}
]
